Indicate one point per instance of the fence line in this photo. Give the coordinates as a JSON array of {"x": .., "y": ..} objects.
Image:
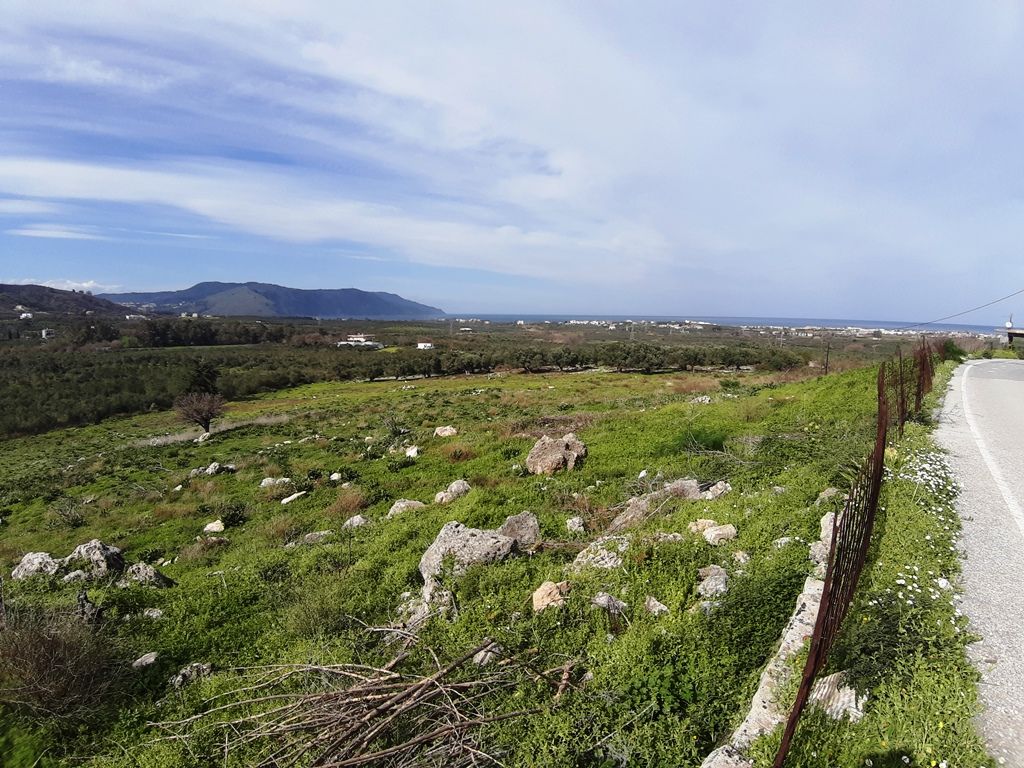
[{"x": 852, "y": 528}]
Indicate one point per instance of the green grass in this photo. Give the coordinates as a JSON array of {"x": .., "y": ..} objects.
[{"x": 664, "y": 691}]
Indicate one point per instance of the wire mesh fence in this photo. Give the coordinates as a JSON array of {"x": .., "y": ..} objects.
[{"x": 902, "y": 385}]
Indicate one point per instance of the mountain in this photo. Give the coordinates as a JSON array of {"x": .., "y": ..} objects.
[
  {"x": 39, "y": 298},
  {"x": 267, "y": 300}
]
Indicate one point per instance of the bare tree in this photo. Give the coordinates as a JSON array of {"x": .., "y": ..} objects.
[{"x": 200, "y": 408}]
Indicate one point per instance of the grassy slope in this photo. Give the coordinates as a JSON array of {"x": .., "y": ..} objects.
[{"x": 664, "y": 690}]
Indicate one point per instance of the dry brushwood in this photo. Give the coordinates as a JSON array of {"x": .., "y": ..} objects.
[{"x": 345, "y": 715}]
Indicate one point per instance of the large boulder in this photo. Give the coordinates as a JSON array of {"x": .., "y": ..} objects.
[
  {"x": 549, "y": 454},
  {"x": 524, "y": 528},
  {"x": 447, "y": 431},
  {"x": 455, "y": 490},
  {"x": 33, "y": 564},
  {"x": 96, "y": 558},
  {"x": 719, "y": 534},
  {"x": 639, "y": 508},
  {"x": 714, "y": 581}
]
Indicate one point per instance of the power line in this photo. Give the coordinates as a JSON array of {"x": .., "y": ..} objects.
[{"x": 965, "y": 312}]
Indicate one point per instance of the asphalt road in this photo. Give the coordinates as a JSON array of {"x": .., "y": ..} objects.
[{"x": 982, "y": 427}]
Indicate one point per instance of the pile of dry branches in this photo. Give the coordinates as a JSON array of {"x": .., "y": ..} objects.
[{"x": 353, "y": 715}]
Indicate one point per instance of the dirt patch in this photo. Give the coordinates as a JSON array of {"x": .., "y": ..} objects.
[
  {"x": 553, "y": 424},
  {"x": 192, "y": 434}
]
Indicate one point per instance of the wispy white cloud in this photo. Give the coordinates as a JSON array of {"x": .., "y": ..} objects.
[
  {"x": 21, "y": 207},
  {"x": 54, "y": 231}
]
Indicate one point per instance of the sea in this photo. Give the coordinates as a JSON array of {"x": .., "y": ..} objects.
[{"x": 764, "y": 322}]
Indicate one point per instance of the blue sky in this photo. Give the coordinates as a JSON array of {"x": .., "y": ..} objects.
[{"x": 857, "y": 160}]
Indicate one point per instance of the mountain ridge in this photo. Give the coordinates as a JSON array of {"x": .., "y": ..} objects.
[
  {"x": 41, "y": 298},
  {"x": 270, "y": 300}
]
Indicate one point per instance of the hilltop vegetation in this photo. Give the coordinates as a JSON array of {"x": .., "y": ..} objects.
[{"x": 39, "y": 298}]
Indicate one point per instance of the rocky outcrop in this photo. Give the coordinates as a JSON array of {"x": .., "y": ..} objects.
[
  {"x": 293, "y": 497},
  {"x": 145, "y": 575},
  {"x": 96, "y": 558},
  {"x": 454, "y": 491},
  {"x": 145, "y": 660},
  {"x": 404, "y": 505},
  {"x": 605, "y": 553},
  {"x": 720, "y": 534},
  {"x": 575, "y": 525},
  {"x": 718, "y": 489},
  {"x": 639, "y": 508},
  {"x": 270, "y": 482},
  {"x": 702, "y": 524},
  {"x": 215, "y": 468},
  {"x": 549, "y": 455},
  {"x": 356, "y": 521},
  {"x": 217, "y": 526},
  {"x": 466, "y": 547},
  {"x": 654, "y": 607},
  {"x": 35, "y": 564},
  {"x": 714, "y": 581},
  {"x": 190, "y": 673},
  {"x": 524, "y": 528},
  {"x": 447, "y": 431}
]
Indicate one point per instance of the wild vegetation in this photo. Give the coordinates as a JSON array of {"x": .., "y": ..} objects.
[{"x": 580, "y": 684}]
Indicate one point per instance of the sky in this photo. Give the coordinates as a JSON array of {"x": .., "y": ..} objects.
[{"x": 853, "y": 160}]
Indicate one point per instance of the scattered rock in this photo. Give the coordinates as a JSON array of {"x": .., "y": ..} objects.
[
  {"x": 203, "y": 438},
  {"x": 550, "y": 594},
  {"x": 740, "y": 557},
  {"x": 75, "y": 576},
  {"x": 335, "y": 477},
  {"x": 549, "y": 455},
  {"x": 575, "y": 525},
  {"x": 153, "y": 613},
  {"x": 942, "y": 583},
  {"x": 317, "y": 537},
  {"x": 523, "y": 527},
  {"x": 639, "y": 508},
  {"x": 177, "y": 488},
  {"x": 146, "y": 575},
  {"x": 778, "y": 490},
  {"x": 100, "y": 558},
  {"x": 467, "y": 546},
  {"x": 217, "y": 526},
  {"x": 404, "y": 505},
  {"x": 726, "y": 756},
  {"x": 145, "y": 660},
  {"x": 456, "y": 490},
  {"x": 412, "y": 451},
  {"x": 356, "y": 521},
  {"x": 605, "y": 553},
  {"x": 668, "y": 538},
  {"x": 714, "y": 581},
  {"x": 654, "y": 607},
  {"x": 701, "y": 525},
  {"x": 270, "y": 482},
  {"x": 448, "y": 431},
  {"x": 190, "y": 673},
  {"x": 87, "y": 610},
  {"x": 612, "y": 605},
  {"x": 701, "y": 400},
  {"x": 488, "y": 655},
  {"x": 718, "y": 489},
  {"x": 825, "y": 495},
  {"x": 33, "y": 564},
  {"x": 837, "y": 699},
  {"x": 719, "y": 534},
  {"x": 293, "y": 497},
  {"x": 785, "y": 541}
]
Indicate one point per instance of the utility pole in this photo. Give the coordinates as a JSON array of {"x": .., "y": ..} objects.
[{"x": 828, "y": 348}]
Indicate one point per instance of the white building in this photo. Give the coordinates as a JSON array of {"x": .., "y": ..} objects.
[
  {"x": 25, "y": 316},
  {"x": 48, "y": 333},
  {"x": 424, "y": 345}
]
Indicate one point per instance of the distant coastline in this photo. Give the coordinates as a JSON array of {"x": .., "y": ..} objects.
[{"x": 759, "y": 322}]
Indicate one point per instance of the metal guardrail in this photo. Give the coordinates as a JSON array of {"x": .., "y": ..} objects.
[{"x": 902, "y": 386}]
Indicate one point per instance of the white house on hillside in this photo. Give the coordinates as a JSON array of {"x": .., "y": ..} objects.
[{"x": 424, "y": 345}]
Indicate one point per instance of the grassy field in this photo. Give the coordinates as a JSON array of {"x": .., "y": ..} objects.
[{"x": 639, "y": 689}]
